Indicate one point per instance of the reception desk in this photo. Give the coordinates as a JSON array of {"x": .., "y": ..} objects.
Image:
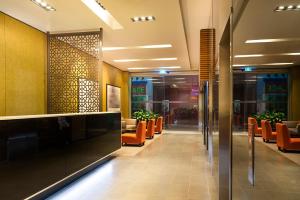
[{"x": 40, "y": 153}]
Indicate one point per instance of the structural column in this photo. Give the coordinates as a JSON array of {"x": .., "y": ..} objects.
[{"x": 225, "y": 115}]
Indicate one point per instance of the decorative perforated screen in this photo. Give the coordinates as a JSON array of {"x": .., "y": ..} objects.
[{"x": 74, "y": 61}]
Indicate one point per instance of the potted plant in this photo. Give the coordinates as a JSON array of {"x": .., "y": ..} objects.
[
  {"x": 143, "y": 115},
  {"x": 272, "y": 116}
]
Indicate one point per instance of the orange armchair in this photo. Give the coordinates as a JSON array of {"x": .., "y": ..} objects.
[
  {"x": 284, "y": 142},
  {"x": 150, "y": 129},
  {"x": 138, "y": 138},
  {"x": 159, "y": 125},
  {"x": 258, "y": 130},
  {"x": 267, "y": 133}
]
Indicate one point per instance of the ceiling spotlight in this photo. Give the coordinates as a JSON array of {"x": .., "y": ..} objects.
[
  {"x": 142, "y": 19},
  {"x": 150, "y": 18},
  {"x": 136, "y": 19},
  {"x": 288, "y": 8},
  {"x": 43, "y": 4}
]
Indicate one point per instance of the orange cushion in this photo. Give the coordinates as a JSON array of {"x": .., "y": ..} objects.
[
  {"x": 129, "y": 138},
  {"x": 295, "y": 140},
  {"x": 131, "y": 135},
  {"x": 294, "y": 144}
]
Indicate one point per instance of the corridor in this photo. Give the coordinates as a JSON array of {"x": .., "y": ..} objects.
[{"x": 173, "y": 167}]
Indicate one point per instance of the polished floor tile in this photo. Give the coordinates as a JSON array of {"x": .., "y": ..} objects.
[
  {"x": 173, "y": 167},
  {"x": 276, "y": 176}
]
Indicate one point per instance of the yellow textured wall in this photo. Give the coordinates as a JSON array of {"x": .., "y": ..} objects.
[
  {"x": 116, "y": 77},
  {"x": 25, "y": 61},
  {"x": 2, "y": 65},
  {"x": 295, "y": 98}
]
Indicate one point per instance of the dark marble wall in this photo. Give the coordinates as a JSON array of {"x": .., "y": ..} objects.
[{"x": 37, "y": 152}]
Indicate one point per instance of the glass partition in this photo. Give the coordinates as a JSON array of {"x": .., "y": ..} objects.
[
  {"x": 257, "y": 94},
  {"x": 265, "y": 64},
  {"x": 174, "y": 97}
]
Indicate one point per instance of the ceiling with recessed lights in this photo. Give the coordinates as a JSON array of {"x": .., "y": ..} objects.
[
  {"x": 265, "y": 37},
  {"x": 146, "y": 38}
]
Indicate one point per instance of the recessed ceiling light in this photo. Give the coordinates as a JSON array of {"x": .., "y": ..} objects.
[
  {"x": 287, "y": 8},
  {"x": 272, "y": 54},
  {"x": 43, "y": 4},
  {"x": 170, "y": 67},
  {"x": 245, "y": 65},
  {"x": 157, "y": 82},
  {"x": 161, "y": 59},
  {"x": 136, "y": 19},
  {"x": 142, "y": 18},
  {"x": 153, "y": 79},
  {"x": 150, "y": 18},
  {"x": 248, "y": 56},
  {"x": 272, "y": 40},
  {"x": 103, "y": 14},
  {"x": 292, "y": 54},
  {"x": 158, "y": 46},
  {"x": 240, "y": 65},
  {"x": 278, "y": 64},
  {"x": 151, "y": 59},
  {"x": 136, "y": 68}
]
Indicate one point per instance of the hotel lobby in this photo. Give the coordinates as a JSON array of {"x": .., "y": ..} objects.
[{"x": 146, "y": 100}]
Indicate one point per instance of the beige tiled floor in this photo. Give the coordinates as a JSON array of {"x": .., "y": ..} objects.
[
  {"x": 293, "y": 156},
  {"x": 277, "y": 177},
  {"x": 173, "y": 167}
]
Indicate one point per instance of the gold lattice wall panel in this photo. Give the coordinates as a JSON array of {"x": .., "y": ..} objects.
[
  {"x": 207, "y": 53},
  {"x": 72, "y": 57},
  {"x": 88, "y": 94}
]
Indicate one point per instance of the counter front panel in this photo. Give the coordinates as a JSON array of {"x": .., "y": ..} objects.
[{"x": 37, "y": 152}]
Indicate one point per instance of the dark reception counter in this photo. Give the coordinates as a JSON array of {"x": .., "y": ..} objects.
[{"x": 39, "y": 151}]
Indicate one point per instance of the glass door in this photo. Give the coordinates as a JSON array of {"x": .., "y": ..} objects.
[{"x": 174, "y": 97}]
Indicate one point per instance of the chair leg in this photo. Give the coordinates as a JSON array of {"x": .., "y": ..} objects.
[
  {"x": 282, "y": 150},
  {"x": 142, "y": 144}
]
